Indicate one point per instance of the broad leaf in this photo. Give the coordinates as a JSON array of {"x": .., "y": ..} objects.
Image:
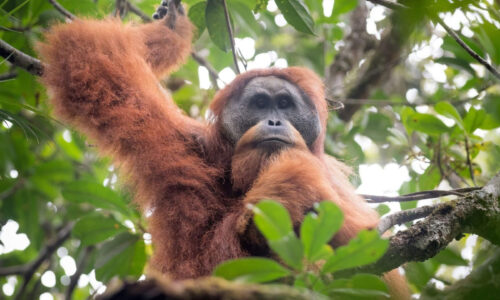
[
  {"x": 215, "y": 20},
  {"x": 96, "y": 228},
  {"x": 289, "y": 249},
  {"x": 317, "y": 230},
  {"x": 196, "y": 15},
  {"x": 125, "y": 255},
  {"x": 95, "y": 194},
  {"x": 474, "y": 119},
  {"x": 297, "y": 15},
  {"x": 425, "y": 123},
  {"x": 252, "y": 269},
  {"x": 448, "y": 110},
  {"x": 342, "y": 6},
  {"x": 366, "y": 248},
  {"x": 272, "y": 219}
]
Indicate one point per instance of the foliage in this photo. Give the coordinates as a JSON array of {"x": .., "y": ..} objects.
[
  {"x": 436, "y": 117},
  {"x": 310, "y": 261}
]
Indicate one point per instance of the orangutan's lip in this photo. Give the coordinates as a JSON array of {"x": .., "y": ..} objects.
[{"x": 275, "y": 139}]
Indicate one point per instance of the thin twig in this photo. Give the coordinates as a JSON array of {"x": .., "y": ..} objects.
[
  {"x": 469, "y": 50},
  {"x": 20, "y": 59},
  {"x": 214, "y": 76},
  {"x": 9, "y": 192},
  {"x": 120, "y": 9},
  {"x": 231, "y": 38},
  {"x": 419, "y": 195},
  {"x": 134, "y": 9},
  {"x": 389, "y": 4},
  {"x": 30, "y": 268},
  {"x": 469, "y": 163},
  {"x": 451, "y": 32},
  {"x": 403, "y": 216},
  {"x": 79, "y": 270},
  {"x": 62, "y": 10},
  {"x": 8, "y": 76}
]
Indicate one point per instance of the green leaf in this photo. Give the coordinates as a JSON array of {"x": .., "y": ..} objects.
[
  {"x": 197, "y": 16},
  {"x": 215, "y": 20},
  {"x": 366, "y": 248},
  {"x": 289, "y": 249},
  {"x": 341, "y": 7},
  {"x": 309, "y": 281},
  {"x": 364, "y": 293},
  {"x": 274, "y": 222},
  {"x": 317, "y": 230},
  {"x": 96, "y": 228},
  {"x": 382, "y": 209},
  {"x": 297, "y": 15},
  {"x": 272, "y": 219},
  {"x": 420, "y": 273},
  {"x": 430, "y": 179},
  {"x": 252, "y": 270},
  {"x": 95, "y": 194},
  {"x": 474, "y": 119},
  {"x": 360, "y": 285},
  {"x": 426, "y": 123},
  {"x": 245, "y": 18},
  {"x": 456, "y": 62},
  {"x": 448, "y": 110},
  {"x": 451, "y": 258},
  {"x": 125, "y": 255},
  {"x": 369, "y": 282}
]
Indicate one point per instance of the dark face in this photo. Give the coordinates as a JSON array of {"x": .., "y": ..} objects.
[{"x": 275, "y": 103}]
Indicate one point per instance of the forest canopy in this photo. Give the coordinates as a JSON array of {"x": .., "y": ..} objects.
[{"x": 414, "y": 95}]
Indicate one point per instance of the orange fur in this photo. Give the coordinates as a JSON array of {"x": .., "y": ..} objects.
[{"x": 102, "y": 78}]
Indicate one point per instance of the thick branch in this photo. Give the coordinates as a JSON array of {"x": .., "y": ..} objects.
[
  {"x": 20, "y": 59},
  {"x": 206, "y": 288},
  {"x": 381, "y": 63},
  {"x": 479, "y": 284},
  {"x": 356, "y": 44},
  {"x": 478, "y": 213},
  {"x": 403, "y": 216}
]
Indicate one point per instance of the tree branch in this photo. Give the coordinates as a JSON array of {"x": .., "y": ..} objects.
[
  {"x": 469, "y": 50},
  {"x": 79, "y": 270},
  {"x": 29, "y": 269},
  {"x": 381, "y": 62},
  {"x": 231, "y": 37},
  {"x": 451, "y": 32},
  {"x": 206, "y": 288},
  {"x": 62, "y": 10},
  {"x": 8, "y": 76},
  {"x": 356, "y": 44},
  {"x": 418, "y": 195},
  {"x": 20, "y": 59},
  {"x": 481, "y": 283},
  {"x": 134, "y": 9},
  {"x": 403, "y": 216},
  {"x": 214, "y": 76},
  {"x": 477, "y": 213}
]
